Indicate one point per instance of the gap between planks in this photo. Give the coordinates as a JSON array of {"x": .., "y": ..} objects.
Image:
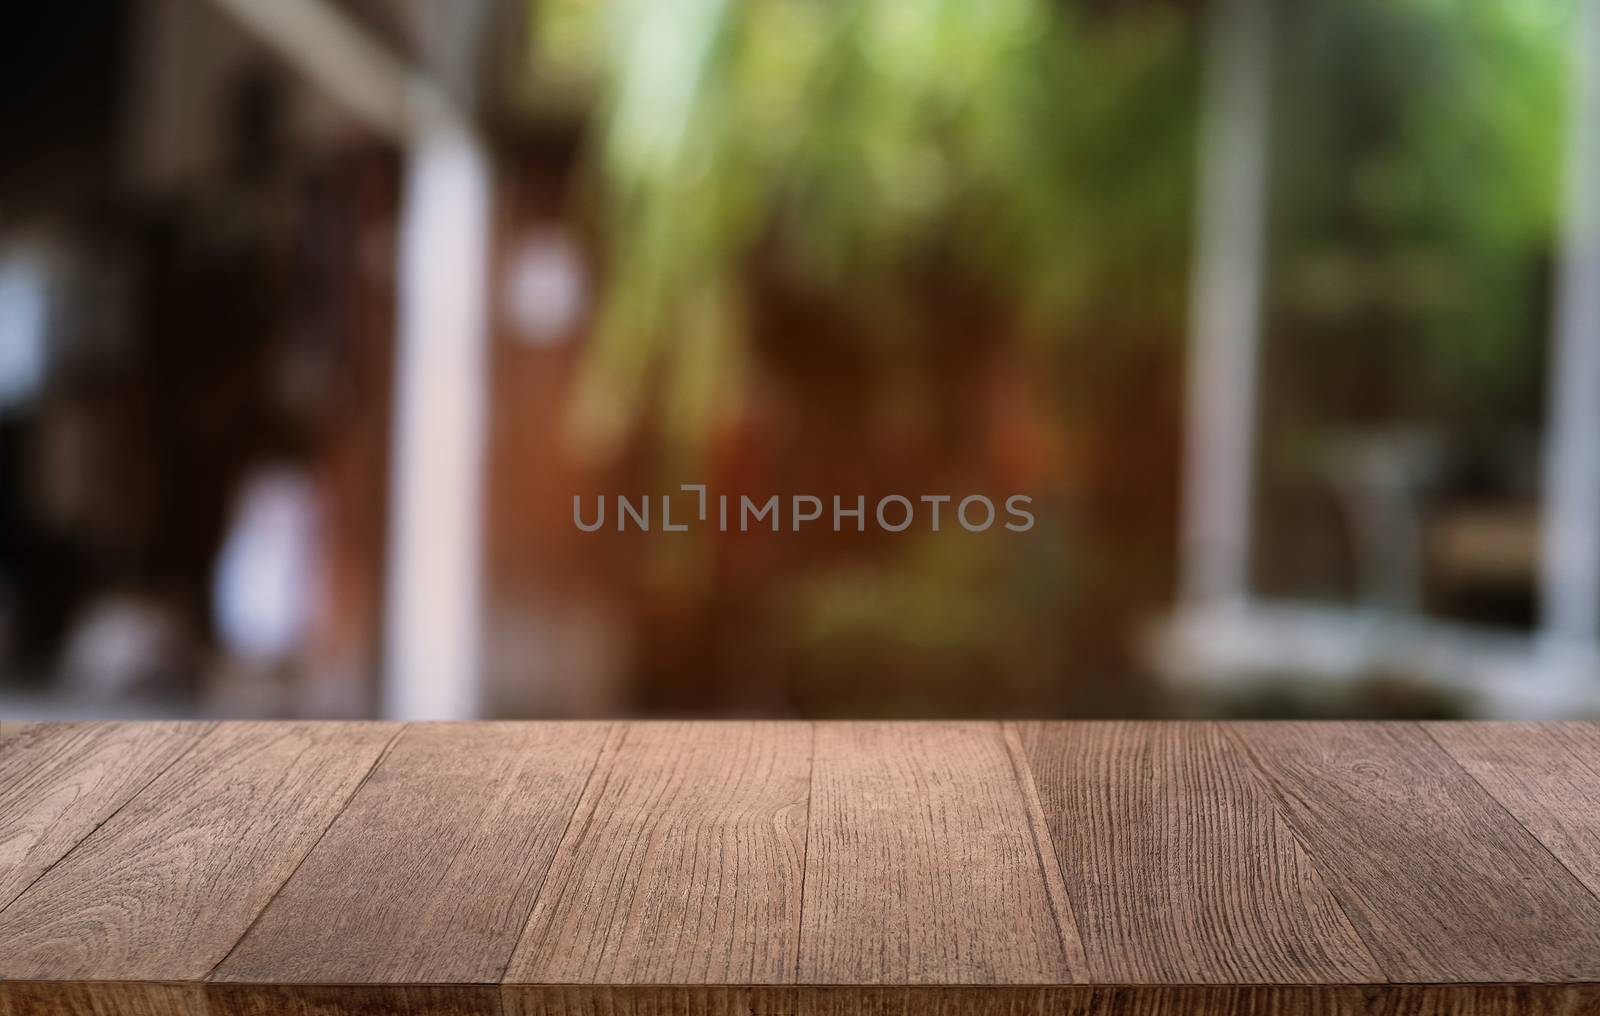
[
  {"x": 1044, "y": 848},
  {"x": 207, "y": 729},
  {"x": 1567, "y": 750},
  {"x": 614, "y": 732},
  {"x": 1062, "y": 902},
  {"x": 387, "y": 747}
]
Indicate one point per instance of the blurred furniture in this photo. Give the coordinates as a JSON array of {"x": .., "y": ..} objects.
[
  {"x": 1403, "y": 553},
  {"x": 1224, "y": 637},
  {"x": 799, "y": 867}
]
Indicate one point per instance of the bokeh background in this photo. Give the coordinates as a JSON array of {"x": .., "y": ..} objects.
[{"x": 315, "y": 315}]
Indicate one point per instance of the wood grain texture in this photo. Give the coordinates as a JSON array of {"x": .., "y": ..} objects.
[
  {"x": 451, "y": 838},
  {"x": 12, "y": 729},
  {"x": 1547, "y": 775},
  {"x": 835, "y": 869},
  {"x": 166, "y": 887},
  {"x": 352, "y": 1000},
  {"x": 1440, "y": 881},
  {"x": 58, "y": 782},
  {"x": 136, "y": 998},
  {"x": 922, "y": 866},
  {"x": 647, "y": 1000},
  {"x": 683, "y": 863},
  {"x": 41, "y": 998},
  {"x": 1179, "y": 867},
  {"x": 1486, "y": 1000},
  {"x": 90, "y": 998},
  {"x": 943, "y": 1000}
]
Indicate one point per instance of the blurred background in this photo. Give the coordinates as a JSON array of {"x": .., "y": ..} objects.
[{"x": 315, "y": 315}]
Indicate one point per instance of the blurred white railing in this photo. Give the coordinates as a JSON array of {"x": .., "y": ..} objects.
[{"x": 1223, "y": 638}]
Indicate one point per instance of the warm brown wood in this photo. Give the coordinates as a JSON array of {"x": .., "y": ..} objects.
[
  {"x": 90, "y": 998},
  {"x": 922, "y": 866},
  {"x": 651, "y": 1000},
  {"x": 165, "y": 888},
  {"x": 966, "y": 1000},
  {"x": 41, "y": 998},
  {"x": 833, "y": 869},
  {"x": 1547, "y": 775},
  {"x": 1486, "y": 1000},
  {"x": 144, "y": 998},
  {"x": 1441, "y": 883},
  {"x": 1180, "y": 869},
  {"x": 683, "y": 863},
  {"x": 352, "y": 1000},
  {"x": 452, "y": 836},
  {"x": 60, "y": 781},
  {"x": 11, "y": 729}
]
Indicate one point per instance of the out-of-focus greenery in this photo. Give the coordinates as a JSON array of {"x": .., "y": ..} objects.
[
  {"x": 1031, "y": 150},
  {"x": 1417, "y": 168},
  {"x": 1043, "y": 148},
  {"x": 1041, "y": 152},
  {"x": 892, "y": 640}
]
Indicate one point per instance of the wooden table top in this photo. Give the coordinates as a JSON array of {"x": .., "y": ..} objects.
[{"x": 838, "y": 868}]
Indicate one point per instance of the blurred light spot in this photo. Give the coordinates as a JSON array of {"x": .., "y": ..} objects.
[
  {"x": 23, "y": 316},
  {"x": 546, "y": 289},
  {"x": 266, "y": 585}
]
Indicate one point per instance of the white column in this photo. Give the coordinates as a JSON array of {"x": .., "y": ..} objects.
[
  {"x": 1224, "y": 323},
  {"x": 1570, "y": 571},
  {"x": 431, "y": 628},
  {"x": 432, "y": 631}
]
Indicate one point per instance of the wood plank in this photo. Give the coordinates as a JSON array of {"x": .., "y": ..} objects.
[
  {"x": 1440, "y": 881},
  {"x": 195, "y": 998},
  {"x": 648, "y": 1000},
  {"x": 429, "y": 875},
  {"x": 1548, "y": 777},
  {"x": 352, "y": 1000},
  {"x": 922, "y": 865},
  {"x": 41, "y": 998},
  {"x": 683, "y": 863},
  {"x": 10, "y": 730},
  {"x": 1487, "y": 1000},
  {"x": 58, "y": 782},
  {"x": 90, "y": 998},
  {"x": 1179, "y": 867},
  {"x": 939, "y": 1000},
  {"x": 166, "y": 887},
  {"x": 660, "y": 870}
]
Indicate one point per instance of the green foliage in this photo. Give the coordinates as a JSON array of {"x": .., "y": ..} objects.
[
  {"x": 1418, "y": 163},
  {"x": 1042, "y": 154},
  {"x": 849, "y": 144}
]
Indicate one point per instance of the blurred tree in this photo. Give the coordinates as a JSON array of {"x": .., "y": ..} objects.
[
  {"x": 869, "y": 191},
  {"x": 1418, "y": 172},
  {"x": 1031, "y": 149}
]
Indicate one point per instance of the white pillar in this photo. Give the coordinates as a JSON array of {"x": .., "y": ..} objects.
[
  {"x": 432, "y": 631},
  {"x": 1225, "y": 300},
  {"x": 1570, "y": 570},
  {"x": 431, "y": 627}
]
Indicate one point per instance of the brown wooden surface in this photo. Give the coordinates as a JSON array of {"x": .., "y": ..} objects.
[
  {"x": 163, "y": 889},
  {"x": 58, "y": 784},
  {"x": 1181, "y": 871},
  {"x": 1441, "y": 882},
  {"x": 451, "y": 836},
  {"x": 922, "y": 866},
  {"x": 1547, "y": 775},
  {"x": 683, "y": 863},
  {"x": 840, "y": 868}
]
